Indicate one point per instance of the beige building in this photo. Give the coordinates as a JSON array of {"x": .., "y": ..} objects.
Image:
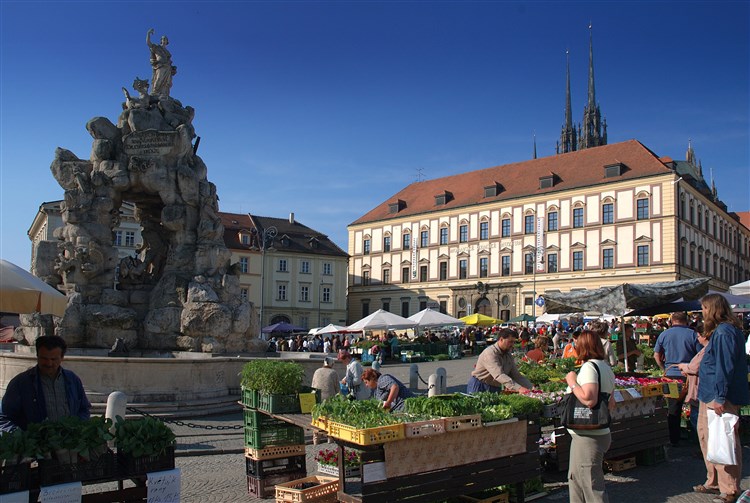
[
  {"x": 299, "y": 277},
  {"x": 493, "y": 240}
]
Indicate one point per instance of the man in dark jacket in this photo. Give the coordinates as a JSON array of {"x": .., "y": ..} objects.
[{"x": 45, "y": 391}]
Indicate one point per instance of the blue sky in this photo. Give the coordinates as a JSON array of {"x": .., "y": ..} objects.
[{"x": 326, "y": 109}]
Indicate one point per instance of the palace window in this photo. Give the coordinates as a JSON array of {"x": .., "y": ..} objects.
[
  {"x": 608, "y": 258},
  {"x": 424, "y": 239},
  {"x": 443, "y": 268},
  {"x": 366, "y": 246},
  {"x": 578, "y": 261},
  {"x": 406, "y": 241},
  {"x": 528, "y": 224},
  {"x": 528, "y": 261},
  {"x": 444, "y": 235},
  {"x": 552, "y": 262},
  {"x": 552, "y": 221},
  {"x": 463, "y": 268},
  {"x": 484, "y": 267},
  {"x": 423, "y": 273},
  {"x": 643, "y": 255},
  {"x": 386, "y": 276},
  {"x": 577, "y": 217},
  {"x": 642, "y": 209},
  {"x": 243, "y": 264},
  {"x": 484, "y": 230},
  {"x": 608, "y": 213},
  {"x": 506, "y": 227},
  {"x": 386, "y": 243},
  {"x": 505, "y": 265},
  {"x": 463, "y": 233}
]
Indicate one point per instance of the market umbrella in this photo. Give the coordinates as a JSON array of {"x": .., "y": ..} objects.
[
  {"x": 331, "y": 329},
  {"x": 740, "y": 288},
  {"x": 381, "y": 320},
  {"x": 522, "y": 318},
  {"x": 429, "y": 318},
  {"x": 626, "y": 297},
  {"x": 479, "y": 320},
  {"x": 283, "y": 327},
  {"x": 21, "y": 292},
  {"x": 686, "y": 305}
]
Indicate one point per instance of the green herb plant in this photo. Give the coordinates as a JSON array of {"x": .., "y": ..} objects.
[
  {"x": 143, "y": 437},
  {"x": 273, "y": 377}
]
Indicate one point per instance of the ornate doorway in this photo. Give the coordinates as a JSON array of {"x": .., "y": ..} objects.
[{"x": 484, "y": 306}]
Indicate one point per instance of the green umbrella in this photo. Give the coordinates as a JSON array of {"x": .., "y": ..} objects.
[{"x": 522, "y": 318}]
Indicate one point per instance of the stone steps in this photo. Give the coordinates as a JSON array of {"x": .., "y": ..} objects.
[{"x": 189, "y": 408}]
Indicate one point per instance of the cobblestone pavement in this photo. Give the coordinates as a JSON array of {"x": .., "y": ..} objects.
[{"x": 213, "y": 465}]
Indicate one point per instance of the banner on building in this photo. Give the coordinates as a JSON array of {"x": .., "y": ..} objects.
[
  {"x": 540, "y": 244},
  {"x": 414, "y": 257}
]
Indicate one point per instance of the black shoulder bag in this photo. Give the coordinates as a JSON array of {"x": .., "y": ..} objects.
[{"x": 577, "y": 416}]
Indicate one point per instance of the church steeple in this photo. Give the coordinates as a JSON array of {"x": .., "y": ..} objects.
[
  {"x": 690, "y": 154},
  {"x": 594, "y": 132},
  {"x": 568, "y": 140}
]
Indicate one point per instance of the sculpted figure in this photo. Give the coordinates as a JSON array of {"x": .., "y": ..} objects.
[
  {"x": 143, "y": 99},
  {"x": 161, "y": 61}
]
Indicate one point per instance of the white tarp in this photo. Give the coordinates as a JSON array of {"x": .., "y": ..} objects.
[
  {"x": 381, "y": 320},
  {"x": 430, "y": 318}
]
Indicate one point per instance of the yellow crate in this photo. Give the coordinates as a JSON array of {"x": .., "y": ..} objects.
[
  {"x": 320, "y": 423},
  {"x": 620, "y": 465},
  {"x": 652, "y": 390},
  {"x": 367, "y": 436},
  {"x": 459, "y": 423},
  {"x": 325, "y": 492},
  {"x": 275, "y": 451}
]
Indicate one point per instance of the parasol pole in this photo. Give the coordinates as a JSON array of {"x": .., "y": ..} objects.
[{"x": 624, "y": 341}]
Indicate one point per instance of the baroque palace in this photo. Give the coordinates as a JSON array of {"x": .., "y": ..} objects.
[{"x": 493, "y": 240}]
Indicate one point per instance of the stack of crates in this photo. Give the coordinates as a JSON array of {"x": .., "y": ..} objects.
[{"x": 274, "y": 449}]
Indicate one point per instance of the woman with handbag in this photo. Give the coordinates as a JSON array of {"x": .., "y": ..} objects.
[
  {"x": 722, "y": 386},
  {"x": 592, "y": 387}
]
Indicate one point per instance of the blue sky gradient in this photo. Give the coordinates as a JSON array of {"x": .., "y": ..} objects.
[{"x": 326, "y": 109}]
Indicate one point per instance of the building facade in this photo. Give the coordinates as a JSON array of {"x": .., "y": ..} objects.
[
  {"x": 291, "y": 272},
  {"x": 493, "y": 240}
]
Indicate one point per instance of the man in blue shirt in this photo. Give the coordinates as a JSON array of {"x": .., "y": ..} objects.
[{"x": 675, "y": 345}]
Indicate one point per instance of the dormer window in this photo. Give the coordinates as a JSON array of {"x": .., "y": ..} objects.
[
  {"x": 613, "y": 170},
  {"x": 444, "y": 198},
  {"x": 547, "y": 182},
  {"x": 397, "y": 206},
  {"x": 493, "y": 190},
  {"x": 314, "y": 243}
]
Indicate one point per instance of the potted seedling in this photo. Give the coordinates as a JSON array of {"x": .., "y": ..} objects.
[{"x": 144, "y": 445}]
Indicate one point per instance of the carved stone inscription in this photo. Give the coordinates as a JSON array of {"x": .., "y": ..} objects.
[{"x": 150, "y": 143}]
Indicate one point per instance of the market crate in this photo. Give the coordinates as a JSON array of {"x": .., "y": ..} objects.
[
  {"x": 279, "y": 404},
  {"x": 320, "y": 423},
  {"x": 52, "y": 472},
  {"x": 620, "y": 465},
  {"x": 424, "y": 428},
  {"x": 263, "y": 468},
  {"x": 551, "y": 410},
  {"x": 295, "y": 491},
  {"x": 458, "y": 423},
  {"x": 265, "y": 487},
  {"x": 146, "y": 464},
  {"x": 648, "y": 390},
  {"x": 672, "y": 390},
  {"x": 257, "y": 419},
  {"x": 284, "y": 434},
  {"x": 367, "y": 436},
  {"x": 745, "y": 410},
  {"x": 652, "y": 456},
  {"x": 333, "y": 470},
  {"x": 250, "y": 398},
  {"x": 276, "y": 451},
  {"x": 14, "y": 478}
]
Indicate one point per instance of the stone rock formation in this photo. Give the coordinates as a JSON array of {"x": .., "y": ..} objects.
[{"x": 178, "y": 292}]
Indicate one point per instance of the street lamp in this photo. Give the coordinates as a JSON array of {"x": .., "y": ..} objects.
[{"x": 266, "y": 240}]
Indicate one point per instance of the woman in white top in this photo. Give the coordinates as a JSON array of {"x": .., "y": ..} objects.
[
  {"x": 587, "y": 448},
  {"x": 353, "y": 377}
]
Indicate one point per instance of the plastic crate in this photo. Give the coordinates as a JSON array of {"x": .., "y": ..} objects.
[
  {"x": 745, "y": 410},
  {"x": 14, "y": 478},
  {"x": 458, "y": 423},
  {"x": 333, "y": 470},
  {"x": 263, "y": 468},
  {"x": 276, "y": 451},
  {"x": 256, "y": 419},
  {"x": 250, "y": 398},
  {"x": 279, "y": 404},
  {"x": 320, "y": 423},
  {"x": 284, "y": 434},
  {"x": 146, "y": 464},
  {"x": 265, "y": 487},
  {"x": 424, "y": 428},
  {"x": 368, "y": 436},
  {"x": 323, "y": 492},
  {"x": 53, "y": 472}
]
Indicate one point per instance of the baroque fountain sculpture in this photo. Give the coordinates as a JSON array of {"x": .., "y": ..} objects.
[{"x": 178, "y": 292}]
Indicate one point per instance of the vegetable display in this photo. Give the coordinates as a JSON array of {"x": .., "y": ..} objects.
[{"x": 273, "y": 377}]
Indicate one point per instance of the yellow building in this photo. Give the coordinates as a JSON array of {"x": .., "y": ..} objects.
[{"x": 493, "y": 240}]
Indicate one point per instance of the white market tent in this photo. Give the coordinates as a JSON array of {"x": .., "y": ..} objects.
[
  {"x": 381, "y": 320},
  {"x": 21, "y": 292},
  {"x": 740, "y": 288},
  {"x": 331, "y": 329},
  {"x": 430, "y": 318}
]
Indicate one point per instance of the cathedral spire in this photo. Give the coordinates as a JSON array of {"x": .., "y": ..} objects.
[
  {"x": 690, "y": 154},
  {"x": 592, "y": 135},
  {"x": 568, "y": 140},
  {"x": 534, "y": 144}
]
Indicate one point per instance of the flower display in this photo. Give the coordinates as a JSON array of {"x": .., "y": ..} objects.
[{"x": 330, "y": 457}]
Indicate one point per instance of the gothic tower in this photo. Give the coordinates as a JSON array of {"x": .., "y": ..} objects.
[
  {"x": 568, "y": 138},
  {"x": 594, "y": 129}
]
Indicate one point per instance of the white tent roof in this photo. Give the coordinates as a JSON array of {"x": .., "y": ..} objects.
[
  {"x": 330, "y": 329},
  {"x": 740, "y": 288},
  {"x": 381, "y": 320},
  {"x": 429, "y": 318}
]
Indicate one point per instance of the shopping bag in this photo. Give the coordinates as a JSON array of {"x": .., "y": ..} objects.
[{"x": 721, "y": 438}]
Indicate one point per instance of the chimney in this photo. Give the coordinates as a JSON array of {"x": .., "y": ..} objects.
[{"x": 291, "y": 218}]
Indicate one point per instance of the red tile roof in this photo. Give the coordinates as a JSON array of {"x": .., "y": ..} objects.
[
  {"x": 572, "y": 170},
  {"x": 744, "y": 218}
]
